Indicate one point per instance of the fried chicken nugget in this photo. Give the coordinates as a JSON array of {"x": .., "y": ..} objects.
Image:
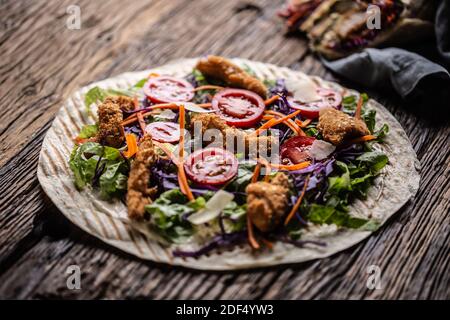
[
  {"x": 267, "y": 202},
  {"x": 233, "y": 137},
  {"x": 125, "y": 103},
  {"x": 223, "y": 69},
  {"x": 109, "y": 121},
  {"x": 336, "y": 126},
  {"x": 139, "y": 194}
]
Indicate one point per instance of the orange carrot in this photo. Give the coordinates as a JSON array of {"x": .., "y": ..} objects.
[
  {"x": 256, "y": 173},
  {"x": 358, "y": 107},
  {"x": 205, "y": 105},
  {"x": 181, "y": 120},
  {"x": 133, "y": 118},
  {"x": 131, "y": 144},
  {"x": 182, "y": 180},
  {"x": 303, "y": 124},
  {"x": 274, "y": 122},
  {"x": 208, "y": 87},
  {"x": 267, "y": 117},
  {"x": 291, "y": 124},
  {"x": 266, "y": 164},
  {"x": 251, "y": 238},
  {"x": 181, "y": 173},
  {"x": 297, "y": 203},
  {"x": 292, "y": 167},
  {"x": 271, "y": 100},
  {"x": 153, "y": 75},
  {"x": 361, "y": 139}
]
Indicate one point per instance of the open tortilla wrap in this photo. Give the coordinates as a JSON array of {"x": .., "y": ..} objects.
[{"x": 108, "y": 221}]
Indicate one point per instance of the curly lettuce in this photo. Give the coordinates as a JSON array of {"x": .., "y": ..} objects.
[{"x": 99, "y": 166}]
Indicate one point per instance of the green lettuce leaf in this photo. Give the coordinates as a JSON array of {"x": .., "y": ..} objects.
[
  {"x": 374, "y": 160},
  {"x": 111, "y": 168},
  {"x": 167, "y": 215},
  {"x": 97, "y": 94},
  {"x": 88, "y": 131}
]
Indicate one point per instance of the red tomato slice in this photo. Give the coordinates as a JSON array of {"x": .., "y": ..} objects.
[
  {"x": 238, "y": 107},
  {"x": 294, "y": 150},
  {"x": 211, "y": 166},
  {"x": 167, "y": 89},
  {"x": 329, "y": 98},
  {"x": 164, "y": 131}
]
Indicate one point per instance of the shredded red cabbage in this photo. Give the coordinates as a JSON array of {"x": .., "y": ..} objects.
[{"x": 219, "y": 241}]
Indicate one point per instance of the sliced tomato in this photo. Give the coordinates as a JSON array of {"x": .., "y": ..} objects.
[
  {"x": 295, "y": 150},
  {"x": 310, "y": 110},
  {"x": 238, "y": 107},
  {"x": 164, "y": 131},
  {"x": 211, "y": 166},
  {"x": 165, "y": 89}
]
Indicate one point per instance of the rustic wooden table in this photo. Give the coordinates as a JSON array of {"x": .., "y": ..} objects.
[{"x": 42, "y": 62}]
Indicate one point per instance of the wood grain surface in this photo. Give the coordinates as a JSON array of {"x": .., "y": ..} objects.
[{"x": 42, "y": 62}]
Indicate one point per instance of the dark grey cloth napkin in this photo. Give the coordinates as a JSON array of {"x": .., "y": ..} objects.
[
  {"x": 391, "y": 67},
  {"x": 408, "y": 73}
]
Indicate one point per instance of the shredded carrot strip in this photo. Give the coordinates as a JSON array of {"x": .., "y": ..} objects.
[
  {"x": 271, "y": 100},
  {"x": 292, "y": 167},
  {"x": 141, "y": 121},
  {"x": 297, "y": 203},
  {"x": 251, "y": 238},
  {"x": 358, "y": 108},
  {"x": 361, "y": 139},
  {"x": 303, "y": 124},
  {"x": 133, "y": 118},
  {"x": 205, "y": 105},
  {"x": 256, "y": 173},
  {"x": 267, "y": 117},
  {"x": 266, "y": 164},
  {"x": 291, "y": 124},
  {"x": 182, "y": 180},
  {"x": 131, "y": 144},
  {"x": 274, "y": 122},
  {"x": 153, "y": 75},
  {"x": 182, "y": 120},
  {"x": 181, "y": 173},
  {"x": 208, "y": 87}
]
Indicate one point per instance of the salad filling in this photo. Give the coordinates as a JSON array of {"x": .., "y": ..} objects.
[{"x": 177, "y": 153}]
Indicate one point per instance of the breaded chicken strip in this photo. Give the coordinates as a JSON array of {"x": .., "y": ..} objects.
[
  {"x": 223, "y": 69},
  {"x": 253, "y": 144},
  {"x": 109, "y": 120},
  {"x": 139, "y": 194},
  {"x": 125, "y": 103},
  {"x": 336, "y": 126},
  {"x": 267, "y": 202}
]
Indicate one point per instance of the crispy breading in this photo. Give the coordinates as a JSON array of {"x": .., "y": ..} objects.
[
  {"x": 223, "y": 69},
  {"x": 125, "y": 103},
  {"x": 208, "y": 121},
  {"x": 267, "y": 202},
  {"x": 234, "y": 138},
  {"x": 139, "y": 194},
  {"x": 336, "y": 126},
  {"x": 109, "y": 120}
]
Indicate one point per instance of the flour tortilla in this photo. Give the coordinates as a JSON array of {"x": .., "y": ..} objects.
[{"x": 108, "y": 221}]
